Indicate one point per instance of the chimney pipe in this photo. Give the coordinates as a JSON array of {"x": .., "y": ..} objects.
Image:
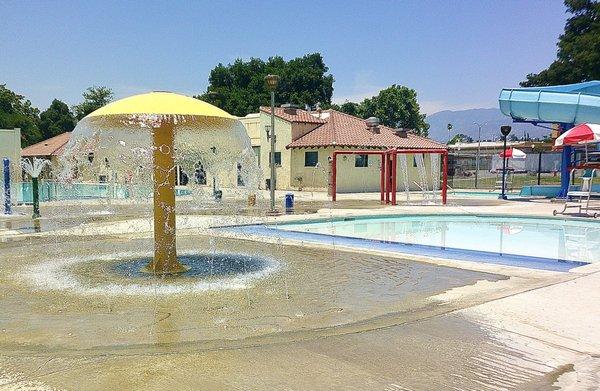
[
  {"x": 290, "y": 108},
  {"x": 373, "y": 125}
]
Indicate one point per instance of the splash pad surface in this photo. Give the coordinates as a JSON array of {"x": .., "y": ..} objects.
[{"x": 89, "y": 302}]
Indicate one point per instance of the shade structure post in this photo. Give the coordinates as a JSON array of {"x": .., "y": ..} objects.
[
  {"x": 165, "y": 253},
  {"x": 382, "y": 179},
  {"x": 394, "y": 172},
  {"x": 387, "y": 178},
  {"x": 444, "y": 177},
  {"x": 334, "y": 177}
]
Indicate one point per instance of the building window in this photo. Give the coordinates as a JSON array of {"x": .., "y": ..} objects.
[
  {"x": 361, "y": 161},
  {"x": 277, "y": 159},
  {"x": 257, "y": 153},
  {"x": 415, "y": 159},
  {"x": 311, "y": 158}
]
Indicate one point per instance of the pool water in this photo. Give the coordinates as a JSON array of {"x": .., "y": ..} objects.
[
  {"x": 530, "y": 238},
  {"x": 52, "y": 191}
]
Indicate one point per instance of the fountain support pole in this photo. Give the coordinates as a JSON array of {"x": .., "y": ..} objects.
[
  {"x": 165, "y": 253},
  {"x": 35, "y": 185}
]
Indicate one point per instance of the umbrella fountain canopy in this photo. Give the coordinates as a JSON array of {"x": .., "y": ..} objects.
[{"x": 160, "y": 130}]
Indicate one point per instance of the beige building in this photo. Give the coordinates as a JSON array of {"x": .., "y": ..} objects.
[
  {"x": 305, "y": 141},
  {"x": 253, "y": 128},
  {"x": 49, "y": 149}
]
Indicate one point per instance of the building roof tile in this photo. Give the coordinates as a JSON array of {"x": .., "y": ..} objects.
[
  {"x": 344, "y": 130},
  {"x": 294, "y": 115},
  {"x": 50, "y": 147}
]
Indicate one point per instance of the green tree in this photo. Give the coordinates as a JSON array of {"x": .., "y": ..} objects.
[
  {"x": 17, "y": 112},
  {"x": 239, "y": 88},
  {"x": 93, "y": 98},
  {"x": 56, "y": 119},
  {"x": 578, "y": 57},
  {"x": 395, "y": 106},
  {"x": 348, "y": 108},
  {"x": 460, "y": 138}
]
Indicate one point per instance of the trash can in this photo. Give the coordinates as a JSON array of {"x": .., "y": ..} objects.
[{"x": 289, "y": 202}]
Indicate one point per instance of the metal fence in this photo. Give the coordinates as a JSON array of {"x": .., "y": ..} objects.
[{"x": 538, "y": 168}]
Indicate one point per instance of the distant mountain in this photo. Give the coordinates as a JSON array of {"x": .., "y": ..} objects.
[{"x": 462, "y": 122}]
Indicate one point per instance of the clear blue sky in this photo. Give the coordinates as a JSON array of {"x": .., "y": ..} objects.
[{"x": 455, "y": 54}]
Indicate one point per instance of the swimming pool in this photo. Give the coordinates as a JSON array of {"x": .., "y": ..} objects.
[{"x": 540, "y": 243}]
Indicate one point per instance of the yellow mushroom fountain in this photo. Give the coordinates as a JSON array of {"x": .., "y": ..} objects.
[{"x": 160, "y": 130}]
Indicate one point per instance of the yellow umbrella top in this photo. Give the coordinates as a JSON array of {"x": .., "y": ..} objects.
[{"x": 161, "y": 103}]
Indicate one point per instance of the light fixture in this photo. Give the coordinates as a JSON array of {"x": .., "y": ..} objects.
[{"x": 272, "y": 81}]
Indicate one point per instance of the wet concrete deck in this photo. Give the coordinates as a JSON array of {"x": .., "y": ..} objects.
[{"x": 473, "y": 326}]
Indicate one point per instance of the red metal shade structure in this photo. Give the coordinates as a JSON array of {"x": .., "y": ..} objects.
[
  {"x": 389, "y": 171},
  {"x": 580, "y": 134}
]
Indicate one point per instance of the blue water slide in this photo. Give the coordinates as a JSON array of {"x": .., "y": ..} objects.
[{"x": 568, "y": 104}]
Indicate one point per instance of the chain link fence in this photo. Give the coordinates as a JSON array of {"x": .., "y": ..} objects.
[{"x": 463, "y": 173}]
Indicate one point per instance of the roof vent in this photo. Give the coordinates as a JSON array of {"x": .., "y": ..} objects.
[
  {"x": 290, "y": 108},
  {"x": 373, "y": 125},
  {"x": 401, "y": 132}
]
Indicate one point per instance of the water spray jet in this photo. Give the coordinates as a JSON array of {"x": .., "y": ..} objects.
[
  {"x": 158, "y": 128},
  {"x": 34, "y": 168}
]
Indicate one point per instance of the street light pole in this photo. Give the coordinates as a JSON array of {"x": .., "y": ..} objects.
[
  {"x": 478, "y": 152},
  {"x": 272, "y": 81},
  {"x": 214, "y": 179},
  {"x": 449, "y": 127},
  {"x": 505, "y": 130}
]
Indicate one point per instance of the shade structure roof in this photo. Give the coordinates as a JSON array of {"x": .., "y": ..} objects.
[
  {"x": 569, "y": 103},
  {"x": 160, "y": 103}
]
